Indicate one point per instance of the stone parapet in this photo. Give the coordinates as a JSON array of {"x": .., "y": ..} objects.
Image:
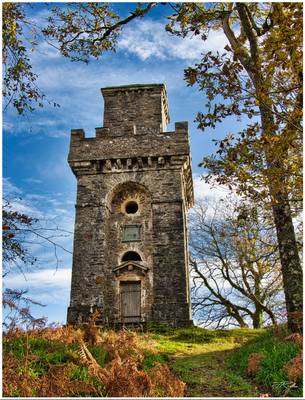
[{"x": 104, "y": 146}]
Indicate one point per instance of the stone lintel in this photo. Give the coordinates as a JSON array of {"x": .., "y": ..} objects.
[{"x": 130, "y": 164}]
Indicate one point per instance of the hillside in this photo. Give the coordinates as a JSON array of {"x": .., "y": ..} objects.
[{"x": 162, "y": 362}]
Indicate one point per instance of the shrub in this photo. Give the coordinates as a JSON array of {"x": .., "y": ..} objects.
[
  {"x": 295, "y": 338},
  {"x": 164, "y": 383},
  {"x": 57, "y": 362}
]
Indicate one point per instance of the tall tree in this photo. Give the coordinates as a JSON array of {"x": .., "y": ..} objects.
[
  {"x": 260, "y": 76},
  {"x": 235, "y": 266}
]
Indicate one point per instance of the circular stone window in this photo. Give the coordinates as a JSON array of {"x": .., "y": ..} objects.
[{"x": 131, "y": 207}]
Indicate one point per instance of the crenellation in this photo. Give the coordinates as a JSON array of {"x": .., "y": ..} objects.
[
  {"x": 101, "y": 132},
  {"x": 181, "y": 127}
]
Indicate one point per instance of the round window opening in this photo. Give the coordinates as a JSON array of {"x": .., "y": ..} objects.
[{"x": 131, "y": 207}]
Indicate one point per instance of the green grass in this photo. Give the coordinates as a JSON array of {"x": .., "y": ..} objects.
[
  {"x": 100, "y": 354},
  {"x": 211, "y": 363},
  {"x": 45, "y": 353},
  {"x": 151, "y": 359},
  {"x": 214, "y": 363},
  {"x": 80, "y": 373},
  {"x": 197, "y": 357},
  {"x": 189, "y": 340},
  {"x": 52, "y": 352},
  {"x": 205, "y": 374},
  {"x": 276, "y": 354}
]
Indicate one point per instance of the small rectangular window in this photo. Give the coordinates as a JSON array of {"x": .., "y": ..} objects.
[{"x": 131, "y": 233}]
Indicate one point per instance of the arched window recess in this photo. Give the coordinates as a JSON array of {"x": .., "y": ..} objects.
[{"x": 131, "y": 256}]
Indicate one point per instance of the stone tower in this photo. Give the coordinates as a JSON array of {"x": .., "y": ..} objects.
[{"x": 134, "y": 186}]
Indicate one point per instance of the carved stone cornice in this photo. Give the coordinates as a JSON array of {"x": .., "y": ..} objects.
[
  {"x": 117, "y": 165},
  {"x": 130, "y": 266}
]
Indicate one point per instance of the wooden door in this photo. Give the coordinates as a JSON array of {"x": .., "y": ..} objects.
[{"x": 130, "y": 301}]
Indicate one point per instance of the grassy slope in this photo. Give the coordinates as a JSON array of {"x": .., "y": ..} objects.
[
  {"x": 211, "y": 363},
  {"x": 199, "y": 358},
  {"x": 214, "y": 363}
]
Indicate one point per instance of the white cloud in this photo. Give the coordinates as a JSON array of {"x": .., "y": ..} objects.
[
  {"x": 7, "y": 126},
  {"x": 81, "y": 103},
  {"x": 205, "y": 190},
  {"x": 148, "y": 39},
  {"x": 25, "y": 207},
  {"x": 55, "y": 222},
  {"x": 46, "y": 50},
  {"x": 9, "y": 189},
  {"x": 21, "y": 205},
  {"x": 32, "y": 180},
  {"x": 46, "y": 286},
  {"x": 40, "y": 279},
  {"x": 36, "y": 197}
]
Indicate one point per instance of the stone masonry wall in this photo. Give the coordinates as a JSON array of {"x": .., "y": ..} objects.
[
  {"x": 153, "y": 168},
  {"x": 143, "y": 109}
]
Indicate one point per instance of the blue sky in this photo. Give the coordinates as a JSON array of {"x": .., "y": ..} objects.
[{"x": 36, "y": 174}]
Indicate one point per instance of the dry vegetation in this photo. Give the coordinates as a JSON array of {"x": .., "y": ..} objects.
[
  {"x": 59, "y": 362},
  {"x": 162, "y": 362}
]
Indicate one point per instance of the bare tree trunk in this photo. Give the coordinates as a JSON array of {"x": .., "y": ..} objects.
[
  {"x": 290, "y": 264},
  {"x": 290, "y": 261},
  {"x": 257, "y": 318}
]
